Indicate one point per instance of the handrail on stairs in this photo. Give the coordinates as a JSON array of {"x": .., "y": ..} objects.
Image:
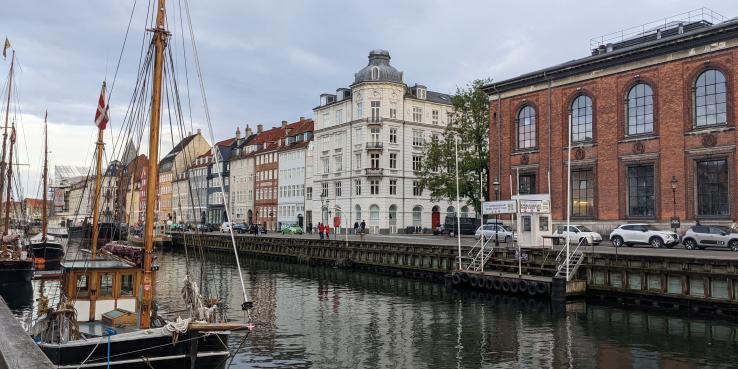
[{"x": 566, "y": 264}]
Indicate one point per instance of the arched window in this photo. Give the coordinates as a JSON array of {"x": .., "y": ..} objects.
[
  {"x": 640, "y": 109},
  {"x": 465, "y": 211},
  {"x": 450, "y": 211},
  {"x": 357, "y": 213},
  {"x": 581, "y": 119},
  {"x": 417, "y": 216},
  {"x": 375, "y": 73},
  {"x": 393, "y": 214},
  {"x": 710, "y": 107},
  {"x": 374, "y": 215},
  {"x": 526, "y": 127}
]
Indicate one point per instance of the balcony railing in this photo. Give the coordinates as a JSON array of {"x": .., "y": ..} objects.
[
  {"x": 373, "y": 145},
  {"x": 374, "y": 121},
  {"x": 374, "y": 172}
]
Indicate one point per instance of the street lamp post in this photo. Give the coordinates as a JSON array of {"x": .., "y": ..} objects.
[
  {"x": 496, "y": 185},
  {"x": 673, "y": 196}
]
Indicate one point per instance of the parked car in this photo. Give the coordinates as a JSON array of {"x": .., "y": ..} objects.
[
  {"x": 503, "y": 232},
  {"x": 292, "y": 229},
  {"x": 577, "y": 233},
  {"x": 240, "y": 228},
  {"x": 468, "y": 225},
  {"x": 225, "y": 227},
  {"x": 702, "y": 236},
  {"x": 438, "y": 230},
  {"x": 252, "y": 228},
  {"x": 642, "y": 234}
]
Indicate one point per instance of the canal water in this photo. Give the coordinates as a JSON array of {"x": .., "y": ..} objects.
[{"x": 320, "y": 317}]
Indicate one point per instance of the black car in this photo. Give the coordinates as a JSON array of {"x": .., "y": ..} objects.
[{"x": 240, "y": 228}]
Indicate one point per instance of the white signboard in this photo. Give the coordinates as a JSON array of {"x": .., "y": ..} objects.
[
  {"x": 535, "y": 206},
  {"x": 499, "y": 207}
]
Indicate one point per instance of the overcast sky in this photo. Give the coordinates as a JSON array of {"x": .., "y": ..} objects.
[{"x": 267, "y": 61}]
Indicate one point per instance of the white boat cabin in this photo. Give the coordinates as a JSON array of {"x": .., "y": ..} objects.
[{"x": 102, "y": 289}]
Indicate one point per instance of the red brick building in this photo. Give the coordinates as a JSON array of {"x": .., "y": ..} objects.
[{"x": 656, "y": 108}]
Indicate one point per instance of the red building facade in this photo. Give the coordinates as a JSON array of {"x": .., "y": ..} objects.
[{"x": 652, "y": 124}]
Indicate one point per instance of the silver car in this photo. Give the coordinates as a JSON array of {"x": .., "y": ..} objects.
[
  {"x": 503, "y": 232},
  {"x": 702, "y": 236}
]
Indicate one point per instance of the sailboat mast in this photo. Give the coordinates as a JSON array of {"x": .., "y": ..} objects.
[
  {"x": 7, "y": 115},
  {"x": 159, "y": 40},
  {"x": 45, "y": 177},
  {"x": 9, "y": 184},
  {"x": 98, "y": 186}
]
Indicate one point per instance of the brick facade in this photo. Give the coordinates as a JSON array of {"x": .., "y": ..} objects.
[{"x": 673, "y": 148}]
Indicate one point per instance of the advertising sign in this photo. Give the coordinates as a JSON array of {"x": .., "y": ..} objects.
[
  {"x": 58, "y": 197},
  {"x": 535, "y": 206},
  {"x": 499, "y": 207}
]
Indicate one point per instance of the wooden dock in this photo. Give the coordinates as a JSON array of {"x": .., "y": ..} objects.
[{"x": 17, "y": 349}]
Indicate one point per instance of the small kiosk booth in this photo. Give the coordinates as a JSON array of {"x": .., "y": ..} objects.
[{"x": 533, "y": 219}]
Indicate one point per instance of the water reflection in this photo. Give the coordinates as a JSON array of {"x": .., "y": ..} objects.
[{"x": 332, "y": 318}]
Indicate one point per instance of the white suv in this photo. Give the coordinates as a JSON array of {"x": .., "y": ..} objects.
[
  {"x": 642, "y": 234},
  {"x": 578, "y": 233}
]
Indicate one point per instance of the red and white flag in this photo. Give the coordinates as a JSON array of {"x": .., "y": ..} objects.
[{"x": 101, "y": 116}]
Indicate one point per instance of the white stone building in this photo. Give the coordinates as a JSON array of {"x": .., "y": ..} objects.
[
  {"x": 242, "y": 180},
  {"x": 368, "y": 142},
  {"x": 291, "y": 174}
]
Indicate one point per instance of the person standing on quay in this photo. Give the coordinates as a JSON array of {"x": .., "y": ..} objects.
[
  {"x": 321, "y": 229},
  {"x": 356, "y": 227},
  {"x": 327, "y": 232}
]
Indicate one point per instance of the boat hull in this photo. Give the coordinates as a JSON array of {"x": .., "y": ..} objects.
[
  {"x": 16, "y": 271},
  {"x": 140, "y": 350},
  {"x": 51, "y": 252}
]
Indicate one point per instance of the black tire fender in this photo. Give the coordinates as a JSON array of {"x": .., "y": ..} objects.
[
  {"x": 523, "y": 286},
  {"x": 497, "y": 284},
  {"x": 514, "y": 287},
  {"x": 541, "y": 288},
  {"x": 456, "y": 279},
  {"x": 505, "y": 285},
  {"x": 489, "y": 283}
]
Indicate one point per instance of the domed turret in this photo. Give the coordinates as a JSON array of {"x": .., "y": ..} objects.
[{"x": 378, "y": 69}]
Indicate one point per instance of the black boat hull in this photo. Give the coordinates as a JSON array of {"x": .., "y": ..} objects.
[
  {"x": 137, "y": 351},
  {"x": 16, "y": 271},
  {"x": 51, "y": 252},
  {"x": 82, "y": 235}
]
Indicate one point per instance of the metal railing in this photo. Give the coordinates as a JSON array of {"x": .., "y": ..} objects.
[
  {"x": 479, "y": 254},
  {"x": 374, "y": 172},
  {"x": 571, "y": 263},
  {"x": 696, "y": 15},
  {"x": 374, "y": 145}
]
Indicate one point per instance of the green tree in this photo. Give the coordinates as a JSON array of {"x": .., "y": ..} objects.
[{"x": 470, "y": 125}]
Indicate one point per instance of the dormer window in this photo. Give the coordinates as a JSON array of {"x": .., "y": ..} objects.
[{"x": 375, "y": 73}]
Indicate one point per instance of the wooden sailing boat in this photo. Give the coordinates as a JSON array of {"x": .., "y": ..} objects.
[
  {"x": 46, "y": 251},
  {"x": 15, "y": 265},
  {"x": 102, "y": 295}
]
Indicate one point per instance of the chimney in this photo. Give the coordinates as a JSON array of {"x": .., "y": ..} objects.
[
  {"x": 284, "y": 124},
  {"x": 249, "y": 132},
  {"x": 198, "y": 131},
  {"x": 238, "y": 133},
  {"x": 302, "y": 118},
  {"x": 259, "y": 128}
]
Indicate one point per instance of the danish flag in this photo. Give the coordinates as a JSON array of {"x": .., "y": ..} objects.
[{"x": 101, "y": 115}]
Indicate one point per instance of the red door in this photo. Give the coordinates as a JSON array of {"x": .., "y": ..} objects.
[{"x": 436, "y": 218}]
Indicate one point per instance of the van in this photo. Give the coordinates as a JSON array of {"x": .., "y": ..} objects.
[{"x": 468, "y": 225}]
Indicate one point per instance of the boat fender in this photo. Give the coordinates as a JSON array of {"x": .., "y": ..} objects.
[
  {"x": 514, "y": 287},
  {"x": 497, "y": 284},
  {"x": 456, "y": 279},
  {"x": 464, "y": 277},
  {"x": 505, "y": 285},
  {"x": 489, "y": 283},
  {"x": 523, "y": 286},
  {"x": 474, "y": 281},
  {"x": 541, "y": 288},
  {"x": 532, "y": 289}
]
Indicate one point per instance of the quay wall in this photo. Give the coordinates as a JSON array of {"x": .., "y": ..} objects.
[
  {"x": 17, "y": 349},
  {"x": 653, "y": 279}
]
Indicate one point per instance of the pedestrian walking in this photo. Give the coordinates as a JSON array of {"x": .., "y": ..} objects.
[
  {"x": 310, "y": 228},
  {"x": 327, "y": 232},
  {"x": 362, "y": 229},
  {"x": 356, "y": 227},
  {"x": 321, "y": 229}
]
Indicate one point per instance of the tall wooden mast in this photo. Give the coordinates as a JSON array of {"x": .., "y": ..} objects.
[
  {"x": 45, "y": 188},
  {"x": 5, "y": 131},
  {"x": 160, "y": 39},
  {"x": 9, "y": 196},
  {"x": 98, "y": 184}
]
